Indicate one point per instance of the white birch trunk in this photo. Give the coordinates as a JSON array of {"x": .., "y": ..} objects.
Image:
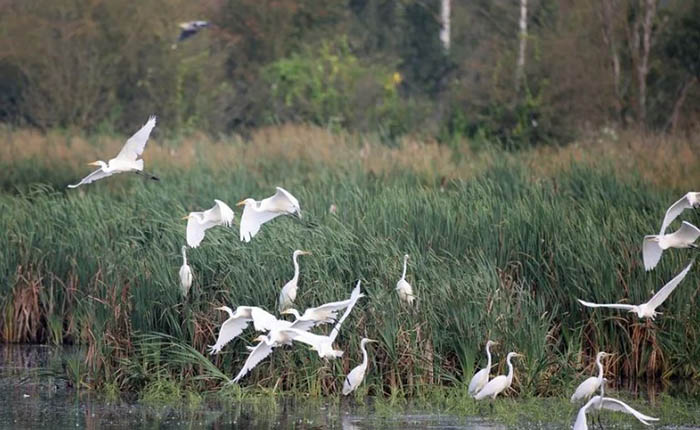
[
  {"x": 445, "y": 22},
  {"x": 520, "y": 68}
]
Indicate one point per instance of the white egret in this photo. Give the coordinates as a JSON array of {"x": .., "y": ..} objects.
[
  {"x": 289, "y": 291},
  {"x": 588, "y": 387},
  {"x": 500, "y": 383},
  {"x": 654, "y": 245},
  {"x": 648, "y": 309},
  {"x": 185, "y": 273},
  {"x": 199, "y": 222},
  {"x": 127, "y": 160},
  {"x": 257, "y": 213},
  {"x": 233, "y": 326},
  {"x": 190, "y": 28},
  {"x": 404, "y": 288},
  {"x": 324, "y": 314},
  {"x": 357, "y": 375},
  {"x": 688, "y": 201},
  {"x": 324, "y": 344},
  {"x": 611, "y": 404},
  {"x": 266, "y": 322},
  {"x": 481, "y": 378}
]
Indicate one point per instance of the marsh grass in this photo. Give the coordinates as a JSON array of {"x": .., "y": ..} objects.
[{"x": 501, "y": 247}]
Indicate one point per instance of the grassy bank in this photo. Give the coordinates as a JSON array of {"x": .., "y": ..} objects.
[{"x": 501, "y": 246}]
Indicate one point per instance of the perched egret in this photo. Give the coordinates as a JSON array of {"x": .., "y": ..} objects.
[
  {"x": 190, "y": 28},
  {"x": 688, "y": 201},
  {"x": 357, "y": 375},
  {"x": 500, "y": 383},
  {"x": 648, "y": 309},
  {"x": 324, "y": 344},
  {"x": 481, "y": 378},
  {"x": 185, "y": 273},
  {"x": 588, "y": 387},
  {"x": 233, "y": 326},
  {"x": 257, "y": 213},
  {"x": 199, "y": 222},
  {"x": 609, "y": 403},
  {"x": 127, "y": 160},
  {"x": 404, "y": 288},
  {"x": 654, "y": 245},
  {"x": 324, "y": 314},
  {"x": 289, "y": 291}
]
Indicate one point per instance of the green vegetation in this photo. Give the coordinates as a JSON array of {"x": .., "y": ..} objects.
[{"x": 500, "y": 254}]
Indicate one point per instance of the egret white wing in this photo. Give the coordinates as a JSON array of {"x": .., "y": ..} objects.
[
  {"x": 611, "y": 305},
  {"x": 195, "y": 232},
  {"x": 354, "y": 297},
  {"x": 252, "y": 219},
  {"x": 92, "y": 177},
  {"x": 136, "y": 143},
  {"x": 687, "y": 233},
  {"x": 479, "y": 380},
  {"x": 663, "y": 293},
  {"x": 258, "y": 354},
  {"x": 282, "y": 200},
  {"x": 651, "y": 252},
  {"x": 231, "y": 328},
  {"x": 672, "y": 213},
  {"x": 225, "y": 213},
  {"x": 617, "y": 405},
  {"x": 264, "y": 321},
  {"x": 353, "y": 379}
]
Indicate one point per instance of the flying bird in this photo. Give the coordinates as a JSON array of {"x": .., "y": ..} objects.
[
  {"x": 648, "y": 309},
  {"x": 500, "y": 383},
  {"x": 357, "y": 375},
  {"x": 256, "y": 213},
  {"x": 404, "y": 288},
  {"x": 289, "y": 291},
  {"x": 127, "y": 160},
  {"x": 588, "y": 387},
  {"x": 190, "y": 28},
  {"x": 199, "y": 222},
  {"x": 185, "y": 273},
  {"x": 689, "y": 201},
  {"x": 609, "y": 403},
  {"x": 481, "y": 378},
  {"x": 654, "y": 245},
  {"x": 325, "y": 314},
  {"x": 233, "y": 326}
]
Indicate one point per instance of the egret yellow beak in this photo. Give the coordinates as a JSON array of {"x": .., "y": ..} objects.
[
  {"x": 186, "y": 217},
  {"x": 94, "y": 163},
  {"x": 372, "y": 340},
  {"x": 241, "y": 203},
  {"x": 306, "y": 253}
]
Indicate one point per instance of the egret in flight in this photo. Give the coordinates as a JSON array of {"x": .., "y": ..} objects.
[
  {"x": 257, "y": 213},
  {"x": 481, "y": 378},
  {"x": 654, "y": 245},
  {"x": 688, "y": 201},
  {"x": 289, "y": 291},
  {"x": 127, "y": 160},
  {"x": 500, "y": 383},
  {"x": 357, "y": 375},
  {"x": 648, "y": 309},
  {"x": 404, "y": 288},
  {"x": 199, "y": 222},
  {"x": 324, "y": 314},
  {"x": 190, "y": 28},
  {"x": 233, "y": 326},
  {"x": 588, "y": 387},
  {"x": 185, "y": 273},
  {"x": 609, "y": 403}
]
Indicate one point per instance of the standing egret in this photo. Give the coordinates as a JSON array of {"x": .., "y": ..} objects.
[
  {"x": 588, "y": 387},
  {"x": 688, "y": 201},
  {"x": 257, "y": 213},
  {"x": 609, "y": 403},
  {"x": 233, "y": 326},
  {"x": 357, "y": 375},
  {"x": 648, "y": 309},
  {"x": 185, "y": 273},
  {"x": 500, "y": 383},
  {"x": 323, "y": 345},
  {"x": 481, "y": 378},
  {"x": 199, "y": 222},
  {"x": 289, "y": 291},
  {"x": 404, "y": 288},
  {"x": 654, "y": 245},
  {"x": 127, "y": 160}
]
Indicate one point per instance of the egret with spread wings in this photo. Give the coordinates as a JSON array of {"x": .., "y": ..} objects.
[
  {"x": 199, "y": 222},
  {"x": 609, "y": 403},
  {"x": 689, "y": 201},
  {"x": 256, "y": 213},
  {"x": 654, "y": 245}
]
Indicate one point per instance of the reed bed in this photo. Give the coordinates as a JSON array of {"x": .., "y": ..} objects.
[{"x": 501, "y": 247}]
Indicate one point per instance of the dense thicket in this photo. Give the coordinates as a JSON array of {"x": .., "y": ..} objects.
[{"x": 360, "y": 64}]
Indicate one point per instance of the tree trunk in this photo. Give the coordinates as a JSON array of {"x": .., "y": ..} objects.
[
  {"x": 445, "y": 23},
  {"x": 608, "y": 20},
  {"x": 647, "y": 25},
  {"x": 520, "y": 67},
  {"x": 676, "y": 114}
]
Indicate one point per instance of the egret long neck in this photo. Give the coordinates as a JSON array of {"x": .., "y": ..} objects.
[
  {"x": 600, "y": 368},
  {"x": 364, "y": 355},
  {"x": 296, "y": 268},
  {"x": 488, "y": 356},
  {"x": 509, "y": 377},
  {"x": 184, "y": 256},
  {"x": 403, "y": 275}
]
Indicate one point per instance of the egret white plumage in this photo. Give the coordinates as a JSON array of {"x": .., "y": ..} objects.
[
  {"x": 185, "y": 273},
  {"x": 324, "y": 314},
  {"x": 190, "y": 28},
  {"x": 481, "y": 378},
  {"x": 654, "y": 245},
  {"x": 648, "y": 309},
  {"x": 266, "y": 322},
  {"x": 256, "y": 213},
  {"x": 689, "y": 201},
  {"x": 323, "y": 345},
  {"x": 611, "y": 404},
  {"x": 199, "y": 222},
  {"x": 588, "y": 387},
  {"x": 357, "y": 375},
  {"x": 289, "y": 291},
  {"x": 403, "y": 287},
  {"x": 233, "y": 326},
  {"x": 500, "y": 383},
  {"x": 127, "y": 160}
]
